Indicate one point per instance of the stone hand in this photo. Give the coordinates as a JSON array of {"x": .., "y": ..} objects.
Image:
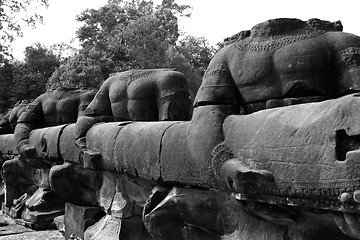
[
  {"x": 27, "y": 151},
  {"x": 238, "y": 178},
  {"x": 29, "y": 155},
  {"x": 348, "y": 223}
]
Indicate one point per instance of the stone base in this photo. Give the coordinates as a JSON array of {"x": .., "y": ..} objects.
[
  {"x": 78, "y": 219},
  {"x": 39, "y": 220},
  {"x": 36, "y": 220},
  {"x": 114, "y": 228}
]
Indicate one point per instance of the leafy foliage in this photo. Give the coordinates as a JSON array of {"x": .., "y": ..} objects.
[
  {"x": 6, "y": 83},
  {"x": 197, "y": 51},
  {"x": 77, "y": 71},
  {"x": 14, "y": 15}
]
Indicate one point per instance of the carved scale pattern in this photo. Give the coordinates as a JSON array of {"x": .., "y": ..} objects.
[
  {"x": 61, "y": 93},
  {"x": 218, "y": 70},
  {"x": 174, "y": 93},
  {"x": 350, "y": 57},
  {"x": 274, "y": 42},
  {"x": 135, "y": 74}
]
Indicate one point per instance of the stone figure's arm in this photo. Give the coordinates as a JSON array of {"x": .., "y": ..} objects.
[
  {"x": 85, "y": 100},
  {"x": 30, "y": 119},
  {"x": 217, "y": 98},
  {"x": 99, "y": 110}
]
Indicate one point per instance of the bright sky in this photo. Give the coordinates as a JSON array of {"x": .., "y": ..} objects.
[{"x": 211, "y": 19}]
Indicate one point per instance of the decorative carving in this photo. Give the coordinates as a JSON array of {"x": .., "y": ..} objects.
[
  {"x": 350, "y": 57},
  {"x": 172, "y": 94},
  {"x": 144, "y": 73},
  {"x": 274, "y": 42}
]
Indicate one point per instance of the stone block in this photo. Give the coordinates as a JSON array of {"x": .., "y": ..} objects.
[{"x": 79, "y": 218}]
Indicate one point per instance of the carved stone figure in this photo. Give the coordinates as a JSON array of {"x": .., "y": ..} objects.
[
  {"x": 25, "y": 174},
  {"x": 60, "y": 106}
]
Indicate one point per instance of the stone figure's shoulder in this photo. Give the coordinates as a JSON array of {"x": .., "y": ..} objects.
[
  {"x": 277, "y": 33},
  {"x": 135, "y": 74}
]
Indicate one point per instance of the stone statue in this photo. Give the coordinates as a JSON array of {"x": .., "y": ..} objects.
[{"x": 25, "y": 174}]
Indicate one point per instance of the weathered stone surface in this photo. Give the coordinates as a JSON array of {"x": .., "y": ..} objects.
[
  {"x": 107, "y": 228},
  {"x": 122, "y": 149},
  {"x": 67, "y": 148},
  {"x": 10, "y": 230},
  {"x": 312, "y": 132},
  {"x": 46, "y": 143}
]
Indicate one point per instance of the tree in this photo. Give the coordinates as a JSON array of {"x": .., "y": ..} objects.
[
  {"x": 6, "y": 83},
  {"x": 77, "y": 71},
  {"x": 62, "y": 51},
  {"x": 179, "y": 61},
  {"x": 197, "y": 51},
  {"x": 123, "y": 34},
  {"x": 30, "y": 77},
  {"x": 132, "y": 34},
  {"x": 14, "y": 16}
]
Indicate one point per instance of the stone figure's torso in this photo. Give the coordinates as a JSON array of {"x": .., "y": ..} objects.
[
  {"x": 64, "y": 106},
  {"x": 300, "y": 62},
  {"x": 135, "y": 94}
]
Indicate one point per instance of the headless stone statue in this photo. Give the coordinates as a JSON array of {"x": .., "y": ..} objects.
[{"x": 29, "y": 171}]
